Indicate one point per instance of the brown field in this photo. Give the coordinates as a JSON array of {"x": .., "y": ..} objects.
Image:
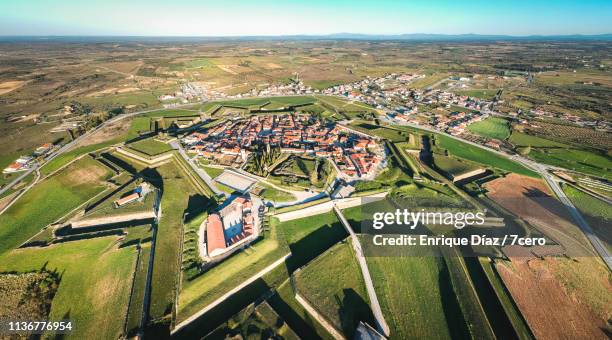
[
  {"x": 114, "y": 130},
  {"x": 530, "y": 199},
  {"x": 9, "y": 86},
  {"x": 554, "y": 305}
]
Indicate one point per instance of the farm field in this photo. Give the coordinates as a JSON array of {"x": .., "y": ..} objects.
[
  {"x": 95, "y": 282},
  {"x": 487, "y": 94},
  {"x": 50, "y": 200},
  {"x": 333, "y": 284},
  {"x": 492, "y": 127},
  {"x": 478, "y": 155},
  {"x": 547, "y": 291}
]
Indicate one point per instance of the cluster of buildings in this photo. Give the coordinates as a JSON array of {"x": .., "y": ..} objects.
[
  {"x": 377, "y": 91},
  {"x": 231, "y": 227},
  {"x": 354, "y": 154},
  {"x": 25, "y": 162},
  {"x": 293, "y": 88}
]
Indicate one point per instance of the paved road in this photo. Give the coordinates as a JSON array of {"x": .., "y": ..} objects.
[
  {"x": 205, "y": 177},
  {"x": 381, "y": 324},
  {"x": 597, "y": 243}
]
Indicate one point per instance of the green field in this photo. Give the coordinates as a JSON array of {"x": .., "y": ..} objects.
[
  {"x": 310, "y": 236},
  {"x": 597, "y": 212},
  {"x": 562, "y": 155},
  {"x": 479, "y": 155},
  {"x": 71, "y": 155},
  {"x": 166, "y": 267},
  {"x": 272, "y": 194},
  {"x": 50, "y": 200},
  {"x": 334, "y": 285},
  {"x": 150, "y": 147},
  {"x": 94, "y": 289},
  {"x": 134, "y": 316},
  {"x": 492, "y": 127},
  {"x": 452, "y": 166},
  {"x": 417, "y": 298}
]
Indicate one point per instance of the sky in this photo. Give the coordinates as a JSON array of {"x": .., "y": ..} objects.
[{"x": 314, "y": 17}]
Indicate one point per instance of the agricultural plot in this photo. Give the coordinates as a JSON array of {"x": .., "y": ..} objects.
[
  {"x": 50, "y": 200},
  {"x": 486, "y": 94},
  {"x": 479, "y": 155},
  {"x": 547, "y": 290},
  {"x": 334, "y": 285},
  {"x": 94, "y": 287},
  {"x": 492, "y": 127},
  {"x": 591, "y": 163}
]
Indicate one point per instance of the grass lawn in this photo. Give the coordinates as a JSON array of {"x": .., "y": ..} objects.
[
  {"x": 139, "y": 125},
  {"x": 50, "y": 200},
  {"x": 150, "y": 147},
  {"x": 417, "y": 298},
  {"x": 492, "y": 127},
  {"x": 166, "y": 268},
  {"x": 213, "y": 172},
  {"x": 96, "y": 278},
  {"x": 452, "y": 166},
  {"x": 206, "y": 288},
  {"x": 272, "y": 194},
  {"x": 334, "y": 285},
  {"x": 479, "y": 155},
  {"x": 136, "y": 305},
  {"x": 310, "y": 236}
]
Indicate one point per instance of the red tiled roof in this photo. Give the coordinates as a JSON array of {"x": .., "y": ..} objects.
[{"x": 215, "y": 239}]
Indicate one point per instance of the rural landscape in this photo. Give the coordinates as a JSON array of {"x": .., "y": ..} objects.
[{"x": 225, "y": 188}]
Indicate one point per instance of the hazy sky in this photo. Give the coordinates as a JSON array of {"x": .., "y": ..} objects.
[{"x": 283, "y": 17}]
